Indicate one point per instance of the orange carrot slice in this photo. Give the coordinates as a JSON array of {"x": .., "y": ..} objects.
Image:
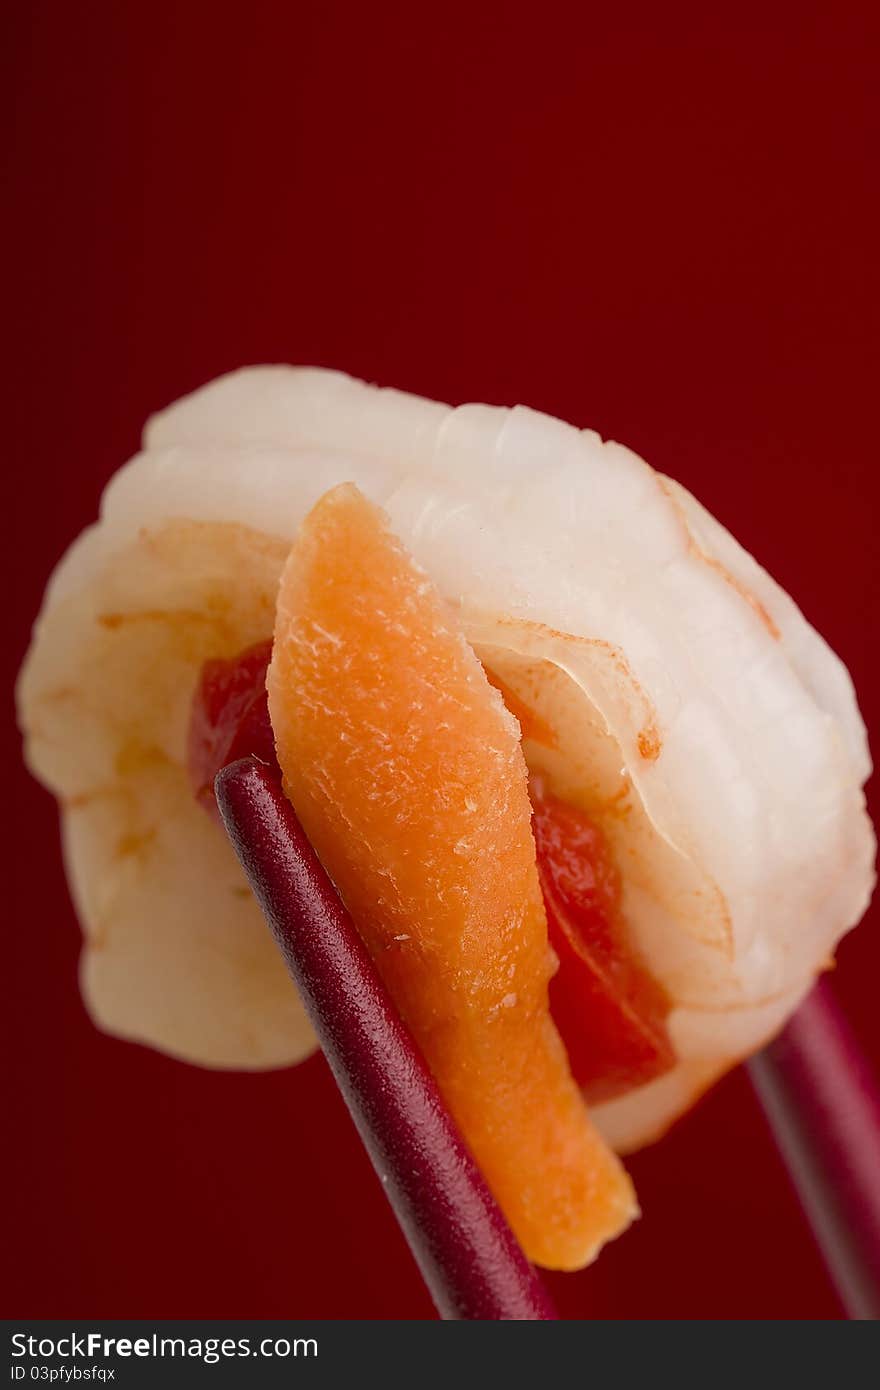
[{"x": 407, "y": 773}]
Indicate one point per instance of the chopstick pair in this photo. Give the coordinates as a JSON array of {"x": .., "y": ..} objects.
[{"x": 814, "y": 1085}]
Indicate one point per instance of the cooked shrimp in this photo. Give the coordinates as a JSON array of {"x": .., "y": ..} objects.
[{"x": 679, "y": 698}]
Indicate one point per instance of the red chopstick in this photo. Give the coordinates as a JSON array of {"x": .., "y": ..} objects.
[
  {"x": 467, "y": 1254},
  {"x": 823, "y": 1106}
]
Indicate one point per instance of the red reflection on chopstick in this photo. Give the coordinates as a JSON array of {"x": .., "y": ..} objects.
[
  {"x": 468, "y": 1256},
  {"x": 824, "y": 1108}
]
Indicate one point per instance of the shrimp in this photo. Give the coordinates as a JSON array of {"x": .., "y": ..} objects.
[{"x": 679, "y": 698}]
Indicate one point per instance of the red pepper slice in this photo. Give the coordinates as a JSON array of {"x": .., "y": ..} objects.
[
  {"x": 229, "y": 719},
  {"x": 609, "y": 1009}
]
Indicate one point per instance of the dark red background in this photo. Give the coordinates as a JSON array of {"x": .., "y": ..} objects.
[{"x": 662, "y": 225}]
